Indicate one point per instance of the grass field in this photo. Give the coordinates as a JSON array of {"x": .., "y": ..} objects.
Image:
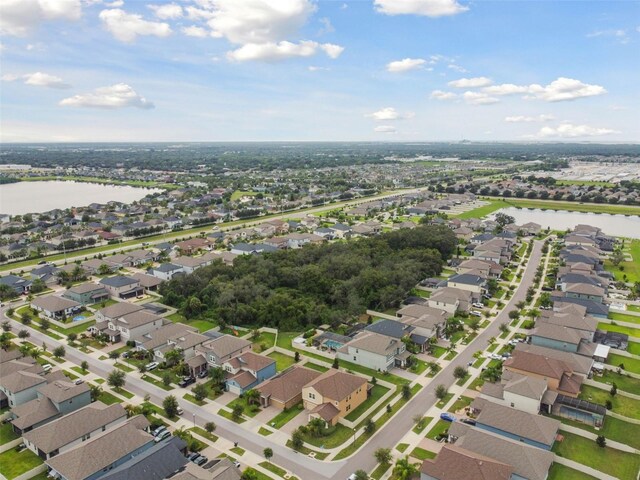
[
  {"x": 634, "y": 348},
  {"x": 630, "y": 268},
  {"x": 440, "y": 427},
  {"x": 632, "y": 332},
  {"x": 561, "y": 472},
  {"x": 13, "y": 464},
  {"x": 622, "y": 317},
  {"x": 282, "y": 361},
  {"x": 238, "y": 194},
  {"x": 624, "y": 382},
  {"x": 622, "y": 405},
  {"x": 285, "y": 416},
  {"x": 630, "y": 364},
  {"x": 376, "y": 393},
  {"x": 7, "y": 434},
  {"x": 613, "y": 429},
  {"x": 614, "y": 462}
]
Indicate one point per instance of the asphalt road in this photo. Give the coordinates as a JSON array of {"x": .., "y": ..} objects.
[{"x": 303, "y": 466}]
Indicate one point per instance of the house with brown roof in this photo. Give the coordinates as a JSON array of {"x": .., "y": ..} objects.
[
  {"x": 558, "y": 374},
  {"x": 373, "y": 350},
  {"x": 20, "y": 379},
  {"x": 533, "y": 429},
  {"x": 148, "y": 282},
  {"x": 285, "y": 389},
  {"x": 172, "y": 336},
  {"x": 527, "y": 394},
  {"x": 218, "y": 350},
  {"x": 333, "y": 394},
  {"x": 55, "y": 307},
  {"x": 451, "y": 299},
  {"x": 456, "y": 463},
  {"x": 247, "y": 370},
  {"x": 222, "y": 469},
  {"x": 60, "y": 435}
]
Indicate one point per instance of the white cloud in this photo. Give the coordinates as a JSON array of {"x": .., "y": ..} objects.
[
  {"x": 127, "y": 26},
  {"x": 440, "y": 95},
  {"x": 568, "y": 130},
  {"x": 561, "y": 89},
  {"x": 427, "y": 8},
  {"x": 258, "y": 21},
  {"x": 528, "y": 119},
  {"x": 478, "y": 98},
  {"x": 389, "y": 113},
  {"x": 271, "y": 52},
  {"x": 457, "y": 68},
  {"x": 37, "y": 79},
  {"x": 619, "y": 34},
  {"x": 475, "y": 82},
  {"x": 119, "y": 95},
  {"x": 314, "y": 68},
  {"x": 195, "y": 31},
  {"x": 404, "y": 65},
  {"x": 19, "y": 17},
  {"x": 327, "y": 27},
  {"x": 169, "y": 11},
  {"x": 385, "y": 129}
]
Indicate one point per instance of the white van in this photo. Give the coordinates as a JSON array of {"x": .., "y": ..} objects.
[{"x": 47, "y": 367}]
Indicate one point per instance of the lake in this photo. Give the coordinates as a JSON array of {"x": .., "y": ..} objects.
[
  {"x": 615, "y": 225},
  {"x": 35, "y": 197}
]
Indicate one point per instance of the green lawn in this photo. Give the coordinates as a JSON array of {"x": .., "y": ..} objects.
[
  {"x": 460, "y": 403},
  {"x": 630, "y": 268},
  {"x": 613, "y": 462},
  {"x": 273, "y": 468},
  {"x": 624, "y": 382},
  {"x": 123, "y": 392},
  {"x": 634, "y": 308},
  {"x": 238, "y": 194},
  {"x": 376, "y": 393},
  {"x": 561, "y": 472},
  {"x": 282, "y": 361},
  {"x": 224, "y": 413},
  {"x": 315, "y": 366},
  {"x": 264, "y": 432},
  {"x": 634, "y": 348},
  {"x": 632, "y": 332},
  {"x": 248, "y": 410},
  {"x": 440, "y": 427},
  {"x": 6, "y": 433},
  {"x": 157, "y": 383},
  {"x": 422, "y": 425},
  {"x": 79, "y": 370},
  {"x": 630, "y": 364},
  {"x": 13, "y": 464},
  {"x": 401, "y": 447},
  {"x": 437, "y": 351},
  {"x": 190, "y": 398},
  {"x": 613, "y": 429},
  {"x": 422, "y": 454},
  {"x": 108, "y": 398},
  {"x": 379, "y": 471},
  {"x": 623, "y": 317},
  {"x": 285, "y": 416},
  {"x": 444, "y": 401},
  {"x": 622, "y": 405},
  {"x": 204, "y": 434},
  {"x": 265, "y": 339},
  {"x": 482, "y": 211}
]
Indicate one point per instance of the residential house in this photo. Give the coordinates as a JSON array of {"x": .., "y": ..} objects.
[
  {"x": 47, "y": 274},
  {"x": 55, "y": 307},
  {"x": 166, "y": 271},
  {"x": 451, "y": 299},
  {"x": 95, "y": 266},
  {"x": 524, "y": 393},
  {"x": 530, "y": 428},
  {"x": 528, "y": 463},
  {"x": 18, "y": 284},
  {"x": 455, "y": 463},
  {"x": 117, "y": 310},
  {"x": 333, "y": 394},
  {"x": 148, "y": 282},
  {"x": 373, "y": 350},
  {"x": 191, "y": 264},
  {"x": 214, "y": 352},
  {"x": 193, "y": 245},
  {"x": 562, "y": 338},
  {"x": 58, "y": 397},
  {"x": 558, "y": 374},
  {"x": 466, "y": 281},
  {"x": 122, "y": 287},
  {"x": 21, "y": 377},
  {"x": 284, "y": 391},
  {"x": 247, "y": 370},
  {"x": 482, "y": 268},
  {"x": 66, "y": 432},
  {"x": 133, "y": 326},
  {"x": 221, "y": 469},
  {"x": 87, "y": 293},
  {"x": 173, "y": 336}
]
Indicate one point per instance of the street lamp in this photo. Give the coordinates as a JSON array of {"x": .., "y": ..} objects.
[
  {"x": 194, "y": 420},
  {"x": 355, "y": 429}
]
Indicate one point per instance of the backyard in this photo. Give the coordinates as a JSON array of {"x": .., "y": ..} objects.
[
  {"x": 13, "y": 464},
  {"x": 622, "y": 405},
  {"x": 283, "y": 361}
]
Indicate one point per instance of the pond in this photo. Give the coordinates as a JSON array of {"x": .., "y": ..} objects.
[
  {"x": 615, "y": 225},
  {"x": 36, "y": 197}
]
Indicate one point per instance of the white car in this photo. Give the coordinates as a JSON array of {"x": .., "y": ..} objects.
[
  {"x": 475, "y": 313},
  {"x": 151, "y": 366},
  {"x": 478, "y": 305}
]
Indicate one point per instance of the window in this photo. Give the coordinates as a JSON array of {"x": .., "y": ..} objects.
[
  {"x": 513, "y": 404},
  {"x": 348, "y": 408},
  {"x": 312, "y": 396},
  {"x": 354, "y": 358}
]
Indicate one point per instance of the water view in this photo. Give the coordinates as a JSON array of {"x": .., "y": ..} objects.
[
  {"x": 618, "y": 225},
  {"x": 34, "y": 197}
]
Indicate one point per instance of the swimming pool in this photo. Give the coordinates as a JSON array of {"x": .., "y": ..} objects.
[{"x": 579, "y": 415}]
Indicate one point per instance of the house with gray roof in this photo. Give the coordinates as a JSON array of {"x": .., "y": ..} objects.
[
  {"x": 53, "y": 306},
  {"x": 374, "y": 350},
  {"x": 166, "y": 271},
  {"x": 122, "y": 287},
  {"x": 87, "y": 293},
  {"x": 18, "y": 284},
  {"x": 456, "y": 463}
]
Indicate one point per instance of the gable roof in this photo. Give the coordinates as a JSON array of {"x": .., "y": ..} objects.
[
  {"x": 372, "y": 342},
  {"x": 390, "y": 328},
  {"x": 225, "y": 345},
  {"x": 250, "y": 361},
  {"x": 537, "y": 364},
  {"x": 119, "y": 309},
  {"x": 336, "y": 385},
  {"x": 456, "y": 463},
  {"x": 288, "y": 384},
  {"x": 53, "y": 303}
]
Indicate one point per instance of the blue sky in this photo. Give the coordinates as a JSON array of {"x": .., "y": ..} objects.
[{"x": 386, "y": 70}]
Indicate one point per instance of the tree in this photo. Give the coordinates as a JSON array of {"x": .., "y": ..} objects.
[
  {"x": 460, "y": 372},
  {"x": 404, "y": 469},
  {"x": 249, "y": 474},
  {"x": 601, "y": 441},
  {"x": 199, "y": 392},
  {"x": 406, "y": 392},
  {"x": 252, "y": 396},
  {"x": 22, "y": 334},
  {"x": 44, "y": 324},
  {"x": 237, "y": 411},
  {"x": 210, "y": 427},
  {"x": 617, "y": 257},
  {"x": 6, "y": 325},
  {"x": 25, "y": 318},
  {"x": 503, "y": 219},
  {"x": 504, "y": 327},
  {"x": 513, "y": 314},
  {"x": 474, "y": 324},
  {"x": 84, "y": 365},
  {"x": 316, "y": 426},
  {"x": 59, "y": 351},
  {"x": 72, "y": 337},
  {"x": 216, "y": 374},
  {"x": 369, "y": 427},
  {"x": 166, "y": 379},
  {"x": 335, "y": 364},
  {"x": 268, "y": 453},
  {"x": 25, "y": 349},
  {"x": 35, "y": 353},
  {"x": 116, "y": 379},
  {"x": 614, "y": 390},
  {"x": 114, "y": 355},
  {"x": 296, "y": 440},
  {"x": 95, "y": 391},
  {"x": 383, "y": 455},
  {"x": 440, "y": 392},
  {"x": 296, "y": 356},
  {"x": 361, "y": 475},
  {"x": 170, "y": 405}
]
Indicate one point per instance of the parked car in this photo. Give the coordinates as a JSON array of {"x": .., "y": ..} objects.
[
  {"x": 487, "y": 296},
  {"x": 162, "y": 436},
  {"x": 179, "y": 411},
  {"x": 468, "y": 421},
  {"x": 126, "y": 354},
  {"x": 201, "y": 460},
  {"x": 475, "y": 313},
  {"x": 47, "y": 367},
  {"x": 186, "y": 381},
  {"x": 447, "y": 417},
  {"x": 203, "y": 374},
  {"x": 79, "y": 381},
  {"x": 158, "y": 431},
  {"x": 193, "y": 456},
  {"x": 151, "y": 366},
  {"x": 478, "y": 305}
]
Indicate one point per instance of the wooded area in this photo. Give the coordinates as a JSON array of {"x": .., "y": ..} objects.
[{"x": 329, "y": 283}]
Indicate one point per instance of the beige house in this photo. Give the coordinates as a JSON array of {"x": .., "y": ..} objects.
[
  {"x": 333, "y": 395},
  {"x": 285, "y": 390}
]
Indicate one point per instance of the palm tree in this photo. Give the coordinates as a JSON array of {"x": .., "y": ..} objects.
[
  {"x": 404, "y": 470},
  {"x": 35, "y": 353},
  {"x": 172, "y": 357},
  {"x": 25, "y": 350},
  {"x": 252, "y": 396}
]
